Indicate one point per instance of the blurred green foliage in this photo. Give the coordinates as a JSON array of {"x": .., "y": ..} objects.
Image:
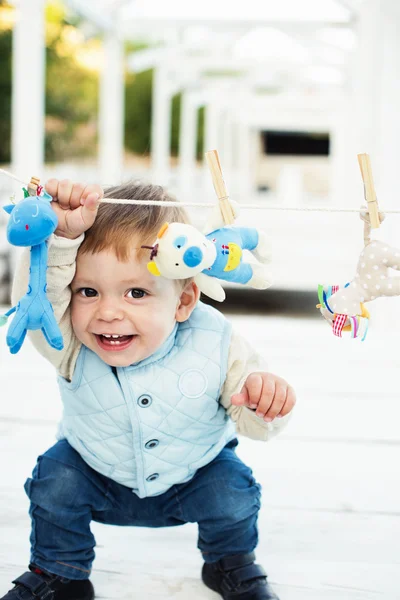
[
  {"x": 5, "y": 93},
  {"x": 71, "y": 90},
  {"x": 138, "y": 114},
  {"x": 72, "y": 93},
  {"x": 138, "y": 92}
]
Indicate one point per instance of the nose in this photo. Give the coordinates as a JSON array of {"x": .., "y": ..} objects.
[
  {"x": 193, "y": 256},
  {"x": 109, "y": 310}
]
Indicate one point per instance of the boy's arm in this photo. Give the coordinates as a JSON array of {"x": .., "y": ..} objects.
[
  {"x": 60, "y": 272},
  {"x": 243, "y": 361},
  {"x": 75, "y": 206}
]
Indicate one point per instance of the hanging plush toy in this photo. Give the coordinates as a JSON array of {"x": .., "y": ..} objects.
[
  {"x": 182, "y": 251},
  {"x": 31, "y": 223},
  {"x": 344, "y": 306}
]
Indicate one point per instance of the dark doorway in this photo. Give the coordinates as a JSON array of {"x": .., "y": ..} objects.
[{"x": 295, "y": 143}]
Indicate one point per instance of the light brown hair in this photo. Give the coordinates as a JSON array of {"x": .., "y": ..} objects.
[{"x": 117, "y": 224}]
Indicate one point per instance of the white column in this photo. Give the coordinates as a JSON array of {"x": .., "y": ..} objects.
[
  {"x": 342, "y": 158},
  {"x": 245, "y": 175},
  {"x": 386, "y": 310},
  {"x": 222, "y": 137},
  {"x": 227, "y": 145},
  {"x": 234, "y": 155},
  {"x": 377, "y": 94},
  {"x": 366, "y": 81},
  {"x": 389, "y": 111},
  {"x": 161, "y": 127},
  {"x": 377, "y": 124},
  {"x": 112, "y": 110},
  {"x": 211, "y": 142},
  {"x": 28, "y": 92},
  {"x": 211, "y": 125},
  {"x": 213, "y": 137},
  {"x": 187, "y": 142},
  {"x": 290, "y": 185}
]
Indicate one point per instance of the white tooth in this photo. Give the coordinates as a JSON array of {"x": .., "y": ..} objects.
[
  {"x": 116, "y": 336},
  {"x": 115, "y": 342},
  {"x": 106, "y": 335}
]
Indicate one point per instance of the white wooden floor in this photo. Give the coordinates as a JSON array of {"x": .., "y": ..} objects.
[{"x": 330, "y": 520}]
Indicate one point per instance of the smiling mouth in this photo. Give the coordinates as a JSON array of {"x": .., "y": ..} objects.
[{"x": 114, "y": 342}]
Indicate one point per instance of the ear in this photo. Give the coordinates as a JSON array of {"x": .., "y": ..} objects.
[
  {"x": 187, "y": 302},
  {"x": 9, "y": 208}
]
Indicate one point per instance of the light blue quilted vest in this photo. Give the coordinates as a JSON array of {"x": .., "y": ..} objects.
[{"x": 160, "y": 420}]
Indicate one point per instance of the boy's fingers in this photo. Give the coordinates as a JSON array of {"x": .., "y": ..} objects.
[
  {"x": 64, "y": 193},
  {"x": 51, "y": 187},
  {"x": 76, "y": 194},
  {"x": 289, "y": 402},
  {"x": 279, "y": 400},
  {"x": 91, "y": 189},
  {"x": 240, "y": 399},
  {"x": 266, "y": 397},
  {"x": 254, "y": 387},
  {"x": 69, "y": 195},
  {"x": 89, "y": 209}
]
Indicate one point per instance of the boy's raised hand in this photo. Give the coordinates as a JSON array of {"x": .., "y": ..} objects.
[
  {"x": 269, "y": 395},
  {"x": 75, "y": 206}
]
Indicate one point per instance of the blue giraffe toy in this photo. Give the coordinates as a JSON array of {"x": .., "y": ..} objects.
[{"x": 31, "y": 223}]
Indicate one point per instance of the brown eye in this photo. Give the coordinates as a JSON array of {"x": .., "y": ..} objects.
[
  {"x": 87, "y": 292},
  {"x": 136, "y": 293}
]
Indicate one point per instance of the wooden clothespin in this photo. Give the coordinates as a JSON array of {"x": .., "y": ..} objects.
[
  {"x": 370, "y": 194},
  {"x": 220, "y": 187},
  {"x": 33, "y": 186}
]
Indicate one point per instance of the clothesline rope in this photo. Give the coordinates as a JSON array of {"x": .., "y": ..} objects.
[{"x": 251, "y": 206}]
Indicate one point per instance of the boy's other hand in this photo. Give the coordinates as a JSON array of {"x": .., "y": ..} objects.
[
  {"x": 269, "y": 395},
  {"x": 75, "y": 205}
]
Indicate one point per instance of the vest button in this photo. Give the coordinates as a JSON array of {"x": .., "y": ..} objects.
[
  {"x": 151, "y": 444},
  {"x": 144, "y": 401},
  {"x": 152, "y": 477}
]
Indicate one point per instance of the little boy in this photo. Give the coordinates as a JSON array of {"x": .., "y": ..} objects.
[{"x": 153, "y": 383}]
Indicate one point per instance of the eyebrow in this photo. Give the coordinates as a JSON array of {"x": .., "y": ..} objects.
[{"x": 87, "y": 282}]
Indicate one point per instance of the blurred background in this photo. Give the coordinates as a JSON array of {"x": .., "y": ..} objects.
[{"x": 288, "y": 93}]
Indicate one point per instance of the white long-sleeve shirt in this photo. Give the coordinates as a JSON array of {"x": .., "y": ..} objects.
[{"x": 242, "y": 359}]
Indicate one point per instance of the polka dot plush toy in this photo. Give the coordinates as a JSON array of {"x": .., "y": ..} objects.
[{"x": 344, "y": 306}]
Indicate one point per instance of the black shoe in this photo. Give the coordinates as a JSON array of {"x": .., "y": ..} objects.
[
  {"x": 39, "y": 585},
  {"x": 238, "y": 578}
]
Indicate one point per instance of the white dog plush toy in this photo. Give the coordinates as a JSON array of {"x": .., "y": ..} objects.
[{"x": 182, "y": 251}]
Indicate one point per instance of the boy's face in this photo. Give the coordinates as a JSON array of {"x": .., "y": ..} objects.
[{"x": 114, "y": 298}]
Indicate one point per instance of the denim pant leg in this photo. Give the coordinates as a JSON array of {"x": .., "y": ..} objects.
[
  {"x": 224, "y": 499},
  {"x": 63, "y": 492},
  {"x": 66, "y": 495}
]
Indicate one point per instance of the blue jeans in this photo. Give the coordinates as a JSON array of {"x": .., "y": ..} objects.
[{"x": 66, "y": 495}]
